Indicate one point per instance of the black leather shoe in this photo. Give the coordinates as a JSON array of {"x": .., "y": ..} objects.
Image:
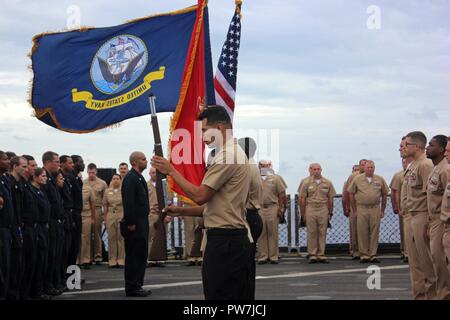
[
  {"x": 355, "y": 258},
  {"x": 273, "y": 262},
  {"x": 312, "y": 261},
  {"x": 198, "y": 263},
  {"x": 364, "y": 261},
  {"x": 85, "y": 266},
  {"x": 323, "y": 261},
  {"x": 190, "y": 264},
  {"x": 375, "y": 260},
  {"x": 139, "y": 293},
  {"x": 262, "y": 262}
]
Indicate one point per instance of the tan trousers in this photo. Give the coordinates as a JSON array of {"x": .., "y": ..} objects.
[
  {"x": 415, "y": 271},
  {"x": 422, "y": 247},
  {"x": 86, "y": 233},
  {"x": 316, "y": 227},
  {"x": 446, "y": 244},
  {"x": 436, "y": 230},
  {"x": 190, "y": 223},
  {"x": 268, "y": 240},
  {"x": 98, "y": 235},
  {"x": 353, "y": 222},
  {"x": 368, "y": 226},
  {"x": 152, "y": 219},
  {"x": 116, "y": 244},
  {"x": 402, "y": 237}
]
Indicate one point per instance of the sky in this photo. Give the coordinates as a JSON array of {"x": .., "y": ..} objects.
[{"x": 322, "y": 81}]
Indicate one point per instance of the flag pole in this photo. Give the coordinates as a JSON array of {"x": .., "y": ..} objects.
[{"x": 158, "y": 250}]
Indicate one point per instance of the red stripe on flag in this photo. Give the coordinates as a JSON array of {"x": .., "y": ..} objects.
[{"x": 223, "y": 94}]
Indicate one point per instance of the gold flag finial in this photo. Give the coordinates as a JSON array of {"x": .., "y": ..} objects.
[{"x": 238, "y": 6}]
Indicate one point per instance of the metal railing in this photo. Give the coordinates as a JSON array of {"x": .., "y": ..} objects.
[{"x": 292, "y": 236}]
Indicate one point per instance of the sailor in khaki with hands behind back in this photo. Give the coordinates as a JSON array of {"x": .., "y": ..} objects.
[{"x": 367, "y": 192}]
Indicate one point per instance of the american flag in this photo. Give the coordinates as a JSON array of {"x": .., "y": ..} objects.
[{"x": 226, "y": 73}]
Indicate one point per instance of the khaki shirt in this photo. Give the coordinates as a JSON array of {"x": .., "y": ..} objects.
[
  {"x": 282, "y": 181},
  {"x": 416, "y": 191},
  {"x": 317, "y": 195},
  {"x": 397, "y": 180},
  {"x": 255, "y": 193},
  {"x": 445, "y": 209},
  {"x": 403, "y": 192},
  {"x": 349, "y": 181},
  {"x": 368, "y": 193},
  {"x": 98, "y": 186},
  {"x": 436, "y": 185},
  {"x": 229, "y": 176},
  {"x": 300, "y": 185},
  {"x": 272, "y": 187},
  {"x": 88, "y": 198},
  {"x": 112, "y": 199},
  {"x": 152, "y": 195}
]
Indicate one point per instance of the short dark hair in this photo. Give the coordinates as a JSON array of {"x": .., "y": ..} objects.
[
  {"x": 15, "y": 161},
  {"x": 48, "y": 156},
  {"x": 418, "y": 137},
  {"x": 38, "y": 171},
  {"x": 365, "y": 160},
  {"x": 123, "y": 164},
  {"x": 75, "y": 157},
  {"x": 248, "y": 145},
  {"x": 63, "y": 158},
  {"x": 2, "y": 153},
  {"x": 92, "y": 166},
  {"x": 10, "y": 154},
  {"x": 215, "y": 114},
  {"x": 441, "y": 140},
  {"x": 28, "y": 157},
  {"x": 116, "y": 175}
]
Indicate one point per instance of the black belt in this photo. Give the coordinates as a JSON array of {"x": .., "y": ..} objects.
[
  {"x": 252, "y": 211},
  {"x": 226, "y": 232}
]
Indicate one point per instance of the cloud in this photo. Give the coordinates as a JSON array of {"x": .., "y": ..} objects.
[{"x": 333, "y": 90}]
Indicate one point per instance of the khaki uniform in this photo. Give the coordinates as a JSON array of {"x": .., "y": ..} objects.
[
  {"x": 416, "y": 195},
  {"x": 268, "y": 241},
  {"x": 98, "y": 187},
  {"x": 437, "y": 182},
  {"x": 226, "y": 270},
  {"x": 367, "y": 196},
  {"x": 190, "y": 226},
  {"x": 396, "y": 184},
  {"x": 231, "y": 181},
  {"x": 317, "y": 196},
  {"x": 352, "y": 221},
  {"x": 445, "y": 217},
  {"x": 86, "y": 220},
  {"x": 152, "y": 218},
  {"x": 255, "y": 197},
  {"x": 416, "y": 273},
  {"x": 116, "y": 245}
]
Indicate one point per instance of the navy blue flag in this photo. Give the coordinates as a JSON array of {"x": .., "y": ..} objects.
[{"x": 89, "y": 79}]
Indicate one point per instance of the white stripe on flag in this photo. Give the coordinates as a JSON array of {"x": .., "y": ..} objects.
[
  {"x": 225, "y": 84},
  {"x": 220, "y": 102}
]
